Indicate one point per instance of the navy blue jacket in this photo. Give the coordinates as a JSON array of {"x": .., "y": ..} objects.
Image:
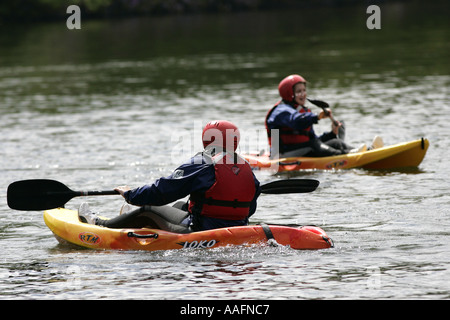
[
  {"x": 196, "y": 175},
  {"x": 285, "y": 115}
]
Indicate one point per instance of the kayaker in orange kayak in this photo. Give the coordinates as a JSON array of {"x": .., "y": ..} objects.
[
  {"x": 289, "y": 126},
  {"x": 222, "y": 187}
]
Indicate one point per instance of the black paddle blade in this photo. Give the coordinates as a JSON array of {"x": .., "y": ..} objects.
[
  {"x": 290, "y": 186},
  {"x": 39, "y": 194},
  {"x": 319, "y": 103}
]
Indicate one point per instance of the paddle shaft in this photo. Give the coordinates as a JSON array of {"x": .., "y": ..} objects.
[
  {"x": 95, "y": 193},
  {"x": 335, "y": 122}
]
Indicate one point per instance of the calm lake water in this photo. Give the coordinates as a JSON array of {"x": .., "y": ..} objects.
[{"x": 124, "y": 101}]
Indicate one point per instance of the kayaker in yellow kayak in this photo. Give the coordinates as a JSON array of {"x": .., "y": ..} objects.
[
  {"x": 222, "y": 187},
  {"x": 289, "y": 126}
]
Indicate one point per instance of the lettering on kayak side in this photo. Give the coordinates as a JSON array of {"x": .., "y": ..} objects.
[
  {"x": 202, "y": 244},
  {"x": 336, "y": 164},
  {"x": 89, "y": 238}
]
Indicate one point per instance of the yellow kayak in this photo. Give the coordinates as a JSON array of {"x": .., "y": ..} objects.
[
  {"x": 65, "y": 225},
  {"x": 406, "y": 154}
]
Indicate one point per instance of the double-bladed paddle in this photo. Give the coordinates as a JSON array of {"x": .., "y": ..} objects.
[
  {"x": 325, "y": 106},
  {"x": 43, "y": 194}
]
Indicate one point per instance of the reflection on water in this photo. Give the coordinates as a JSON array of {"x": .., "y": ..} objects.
[{"x": 326, "y": 43}]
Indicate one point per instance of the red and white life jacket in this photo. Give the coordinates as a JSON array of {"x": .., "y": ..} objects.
[{"x": 289, "y": 138}]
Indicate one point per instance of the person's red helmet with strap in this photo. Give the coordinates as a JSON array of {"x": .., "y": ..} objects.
[
  {"x": 286, "y": 86},
  {"x": 221, "y": 133}
]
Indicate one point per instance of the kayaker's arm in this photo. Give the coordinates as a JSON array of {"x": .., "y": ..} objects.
[
  {"x": 253, "y": 204},
  {"x": 186, "y": 179},
  {"x": 303, "y": 120},
  {"x": 287, "y": 116}
]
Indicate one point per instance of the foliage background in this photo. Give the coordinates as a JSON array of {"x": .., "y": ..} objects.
[{"x": 33, "y": 10}]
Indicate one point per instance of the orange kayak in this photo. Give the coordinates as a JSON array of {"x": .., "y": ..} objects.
[
  {"x": 65, "y": 225},
  {"x": 406, "y": 154}
]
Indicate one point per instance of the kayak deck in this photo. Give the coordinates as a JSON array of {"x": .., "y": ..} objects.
[
  {"x": 66, "y": 227},
  {"x": 406, "y": 154}
]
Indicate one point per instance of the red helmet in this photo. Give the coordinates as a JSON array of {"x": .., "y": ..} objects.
[
  {"x": 221, "y": 133},
  {"x": 286, "y": 86}
]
